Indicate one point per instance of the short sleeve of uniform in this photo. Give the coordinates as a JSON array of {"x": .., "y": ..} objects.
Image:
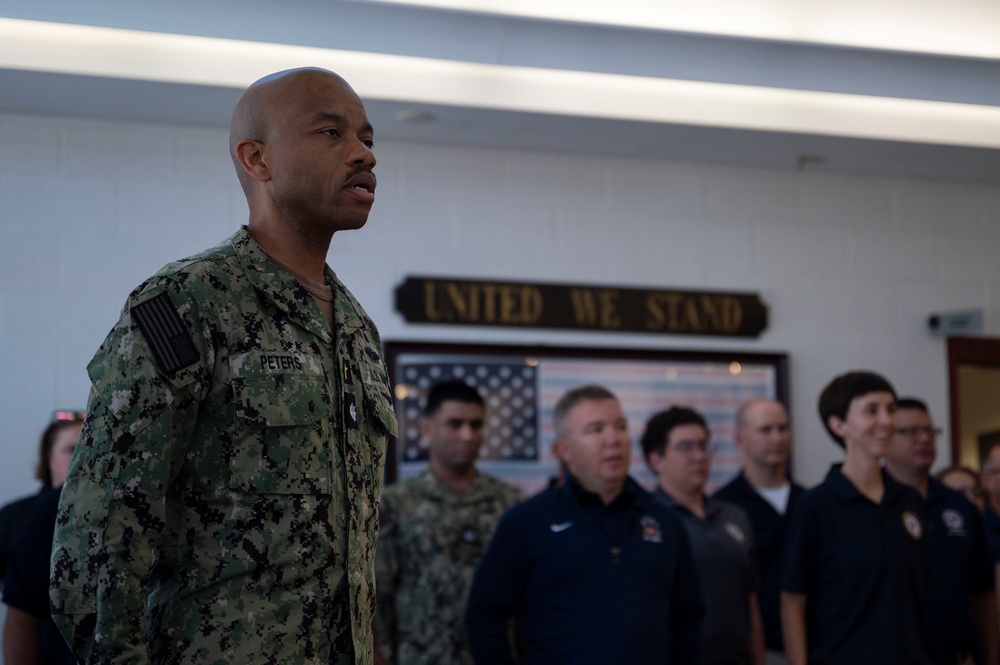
[{"x": 801, "y": 547}]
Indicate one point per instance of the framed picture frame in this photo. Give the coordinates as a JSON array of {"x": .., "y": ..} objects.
[{"x": 521, "y": 384}]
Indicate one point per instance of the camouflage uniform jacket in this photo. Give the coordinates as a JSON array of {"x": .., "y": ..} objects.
[
  {"x": 224, "y": 510},
  {"x": 429, "y": 545}
]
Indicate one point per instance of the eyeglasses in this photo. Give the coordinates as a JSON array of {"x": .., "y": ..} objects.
[
  {"x": 911, "y": 432},
  {"x": 688, "y": 447},
  {"x": 68, "y": 415}
]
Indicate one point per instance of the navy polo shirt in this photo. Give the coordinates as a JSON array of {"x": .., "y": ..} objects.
[
  {"x": 864, "y": 569},
  {"x": 962, "y": 567},
  {"x": 591, "y": 583},
  {"x": 769, "y": 528},
  {"x": 992, "y": 525}
]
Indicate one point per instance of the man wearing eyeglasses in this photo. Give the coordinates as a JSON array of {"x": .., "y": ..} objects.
[
  {"x": 962, "y": 606},
  {"x": 678, "y": 448}
]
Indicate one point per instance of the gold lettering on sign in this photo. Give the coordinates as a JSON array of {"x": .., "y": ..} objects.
[
  {"x": 705, "y": 313},
  {"x": 463, "y": 302},
  {"x": 596, "y": 308}
]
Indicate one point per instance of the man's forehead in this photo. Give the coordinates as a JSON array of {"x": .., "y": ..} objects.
[
  {"x": 596, "y": 409},
  {"x": 766, "y": 409},
  {"x": 912, "y": 414},
  {"x": 688, "y": 431},
  {"x": 878, "y": 396},
  {"x": 314, "y": 96}
]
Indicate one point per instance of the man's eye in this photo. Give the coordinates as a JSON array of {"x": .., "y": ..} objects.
[
  {"x": 331, "y": 132},
  {"x": 369, "y": 143}
]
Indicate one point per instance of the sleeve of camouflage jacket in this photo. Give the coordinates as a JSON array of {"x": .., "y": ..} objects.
[
  {"x": 386, "y": 573},
  {"x": 114, "y": 511}
]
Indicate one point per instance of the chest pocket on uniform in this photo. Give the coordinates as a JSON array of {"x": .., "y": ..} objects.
[
  {"x": 378, "y": 397},
  {"x": 283, "y": 435}
]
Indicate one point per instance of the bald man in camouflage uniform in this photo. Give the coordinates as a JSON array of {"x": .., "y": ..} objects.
[
  {"x": 435, "y": 528},
  {"x": 222, "y": 503}
]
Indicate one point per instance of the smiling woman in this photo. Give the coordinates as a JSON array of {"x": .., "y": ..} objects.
[{"x": 857, "y": 561}]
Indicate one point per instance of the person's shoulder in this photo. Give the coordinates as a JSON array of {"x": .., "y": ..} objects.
[
  {"x": 813, "y": 499},
  {"x": 730, "y": 509},
  {"x": 733, "y": 491},
  {"x": 199, "y": 276},
  {"x": 403, "y": 492},
  {"x": 17, "y": 507},
  {"x": 538, "y": 507},
  {"x": 496, "y": 486},
  {"x": 946, "y": 497}
]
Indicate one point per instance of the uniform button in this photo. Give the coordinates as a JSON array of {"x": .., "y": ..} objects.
[{"x": 342, "y": 517}]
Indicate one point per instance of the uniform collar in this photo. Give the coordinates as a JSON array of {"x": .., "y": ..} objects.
[
  {"x": 711, "y": 506},
  {"x": 438, "y": 490},
  {"x": 846, "y": 490},
  {"x": 282, "y": 289},
  {"x": 631, "y": 491}
]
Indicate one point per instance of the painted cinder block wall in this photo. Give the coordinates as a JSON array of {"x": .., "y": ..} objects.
[{"x": 849, "y": 265}]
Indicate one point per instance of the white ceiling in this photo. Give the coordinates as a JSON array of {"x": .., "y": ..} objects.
[{"x": 967, "y": 84}]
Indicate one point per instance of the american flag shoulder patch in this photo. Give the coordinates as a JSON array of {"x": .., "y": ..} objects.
[{"x": 165, "y": 333}]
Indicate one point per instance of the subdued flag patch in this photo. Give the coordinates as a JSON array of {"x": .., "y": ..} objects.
[{"x": 165, "y": 333}]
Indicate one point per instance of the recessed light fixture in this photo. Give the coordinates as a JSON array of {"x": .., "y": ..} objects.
[{"x": 414, "y": 116}]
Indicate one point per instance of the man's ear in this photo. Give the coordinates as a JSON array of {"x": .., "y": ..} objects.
[
  {"x": 654, "y": 459},
  {"x": 559, "y": 448},
  {"x": 250, "y": 155}
]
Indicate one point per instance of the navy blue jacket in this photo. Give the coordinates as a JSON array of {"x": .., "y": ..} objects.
[{"x": 585, "y": 594}]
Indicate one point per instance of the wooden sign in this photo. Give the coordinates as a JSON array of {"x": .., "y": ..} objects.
[{"x": 563, "y": 306}]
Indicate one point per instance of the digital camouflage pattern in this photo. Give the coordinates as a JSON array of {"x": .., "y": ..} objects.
[
  {"x": 429, "y": 545},
  {"x": 225, "y": 512}
]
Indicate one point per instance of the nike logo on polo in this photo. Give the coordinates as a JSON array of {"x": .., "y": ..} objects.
[{"x": 556, "y": 528}]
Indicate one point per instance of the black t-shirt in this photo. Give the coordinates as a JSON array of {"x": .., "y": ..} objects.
[{"x": 26, "y": 584}]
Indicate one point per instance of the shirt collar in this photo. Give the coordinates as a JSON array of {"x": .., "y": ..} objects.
[
  {"x": 631, "y": 491},
  {"x": 846, "y": 490}
]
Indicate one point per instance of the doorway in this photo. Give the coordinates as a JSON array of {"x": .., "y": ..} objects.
[{"x": 974, "y": 393}]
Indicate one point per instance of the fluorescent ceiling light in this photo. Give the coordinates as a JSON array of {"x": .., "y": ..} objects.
[
  {"x": 114, "y": 53},
  {"x": 958, "y": 27}
]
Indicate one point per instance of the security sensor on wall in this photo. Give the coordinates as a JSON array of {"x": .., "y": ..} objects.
[{"x": 955, "y": 323}]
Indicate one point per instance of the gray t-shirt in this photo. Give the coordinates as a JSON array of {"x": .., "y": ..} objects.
[{"x": 725, "y": 557}]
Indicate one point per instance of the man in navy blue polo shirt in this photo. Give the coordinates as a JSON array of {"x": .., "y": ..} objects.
[
  {"x": 764, "y": 490},
  {"x": 962, "y": 604},
  {"x": 857, "y": 556},
  {"x": 596, "y": 571}
]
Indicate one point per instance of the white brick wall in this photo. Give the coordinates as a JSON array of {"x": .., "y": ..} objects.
[{"x": 849, "y": 266}]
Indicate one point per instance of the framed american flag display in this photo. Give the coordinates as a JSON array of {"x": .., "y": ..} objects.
[{"x": 521, "y": 384}]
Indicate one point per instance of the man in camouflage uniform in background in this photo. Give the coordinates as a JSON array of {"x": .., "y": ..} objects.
[
  {"x": 222, "y": 503},
  {"x": 435, "y": 528}
]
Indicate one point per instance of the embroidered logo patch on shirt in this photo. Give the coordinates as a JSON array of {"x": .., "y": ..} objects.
[
  {"x": 913, "y": 525},
  {"x": 651, "y": 531},
  {"x": 953, "y": 521},
  {"x": 168, "y": 338},
  {"x": 735, "y": 532}
]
